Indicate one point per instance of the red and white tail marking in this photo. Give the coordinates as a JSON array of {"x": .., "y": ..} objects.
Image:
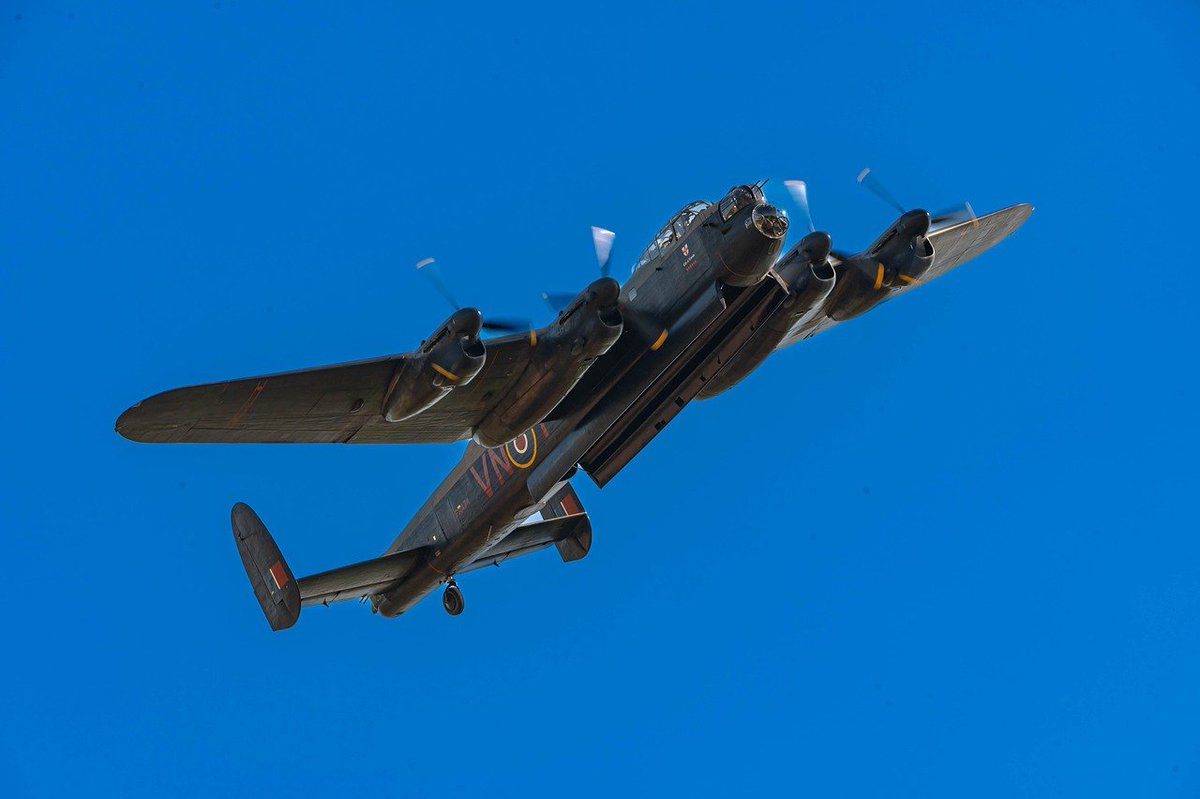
[
  {"x": 570, "y": 505},
  {"x": 279, "y": 575}
]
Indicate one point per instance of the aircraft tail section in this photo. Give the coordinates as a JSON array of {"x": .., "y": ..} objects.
[
  {"x": 565, "y": 503},
  {"x": 272, "y": 579},
  {"x": 282, "y": 596}
]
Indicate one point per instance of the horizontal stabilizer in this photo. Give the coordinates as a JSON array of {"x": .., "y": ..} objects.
[
  {"x": 357, "y": 580},
  {"x": 282, "y": 595},
  {"x": 574, "y": 533},
  {"x": 272, "y": 580},
  {"x": 565, "y": 502}
]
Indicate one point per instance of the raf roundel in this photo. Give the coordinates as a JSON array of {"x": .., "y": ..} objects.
[{"x": 522, "y": 450}]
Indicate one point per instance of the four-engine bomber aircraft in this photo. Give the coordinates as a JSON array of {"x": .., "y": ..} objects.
[{"x": 710, "y": 298}]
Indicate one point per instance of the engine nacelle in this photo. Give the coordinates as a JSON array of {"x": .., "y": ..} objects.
[
  {"x": 899, "y": 258},
  {"x": 563, "y": 352},
  {"x": 451, "y": 357},
  {"x": 810, "y": 279}
]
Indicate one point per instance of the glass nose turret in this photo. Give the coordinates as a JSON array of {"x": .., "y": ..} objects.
[{"x": 771, "y": 221}]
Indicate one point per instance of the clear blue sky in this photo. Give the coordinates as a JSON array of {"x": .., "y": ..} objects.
[{"x": 948, "y": 549}]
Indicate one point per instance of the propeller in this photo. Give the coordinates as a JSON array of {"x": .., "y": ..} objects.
[
  {"x": 799, "y": 191},
  {"x": 872, "y": 183},
  {"x": 953, "y": 216},
  {"x": 428, "y": 267},
  {"x": 602, "y": 240},
  {"x": 642, "y": 325},
  {"x": 557, "y": 300},
  {"x": 949, "y": 216}
]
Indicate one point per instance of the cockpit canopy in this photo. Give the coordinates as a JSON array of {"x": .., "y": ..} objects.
[
  {"x": 737, "y": 199},
  {"x": 672, "y": 232}
]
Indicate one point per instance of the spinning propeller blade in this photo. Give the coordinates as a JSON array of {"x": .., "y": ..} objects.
[
  {"x": 428, "y": 267},
  {"x": 557, "y": 300},
  {"x": 952, "y": 216},
  {"x": 872, "y": 183},
  {"x": 639, "y": 323},
  {"x": 507, "y": 325},
  {"x": 603, "y": 241},
  {"x": 799, "y": 191}
]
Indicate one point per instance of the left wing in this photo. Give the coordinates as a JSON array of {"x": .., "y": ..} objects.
[
  {"x": 331, "y": 404},
  {"x": 953, "y": 246}
]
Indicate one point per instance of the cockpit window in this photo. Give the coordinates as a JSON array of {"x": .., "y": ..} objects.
[
  {"x": 648, "y": 255},
  {"x": 664, "y": 238},
  {"x": 674, "y": 230},
  {"x": 694, "y": 210},
  {"x": 737, "y": 199}
]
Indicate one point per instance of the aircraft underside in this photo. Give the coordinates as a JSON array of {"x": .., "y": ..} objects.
[{"x": 711, "y": 298}]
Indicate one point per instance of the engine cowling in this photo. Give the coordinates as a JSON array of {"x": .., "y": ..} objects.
[
  {"x": 563, "y": 352},
  {"x": 810, "y": 278},
  {"x": 899, "y": 258},
  {"x": 450, "y": 358}
]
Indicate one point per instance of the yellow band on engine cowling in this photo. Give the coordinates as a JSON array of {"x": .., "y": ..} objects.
[{"x": 446, "y": 373}]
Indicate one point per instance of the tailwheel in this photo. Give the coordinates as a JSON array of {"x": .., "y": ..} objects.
[{"x": 452, "y": 599}]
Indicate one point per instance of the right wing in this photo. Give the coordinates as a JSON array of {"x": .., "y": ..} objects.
[
  {"x": 953, "y": 246},
  {"x": 331, "y": 404}
]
